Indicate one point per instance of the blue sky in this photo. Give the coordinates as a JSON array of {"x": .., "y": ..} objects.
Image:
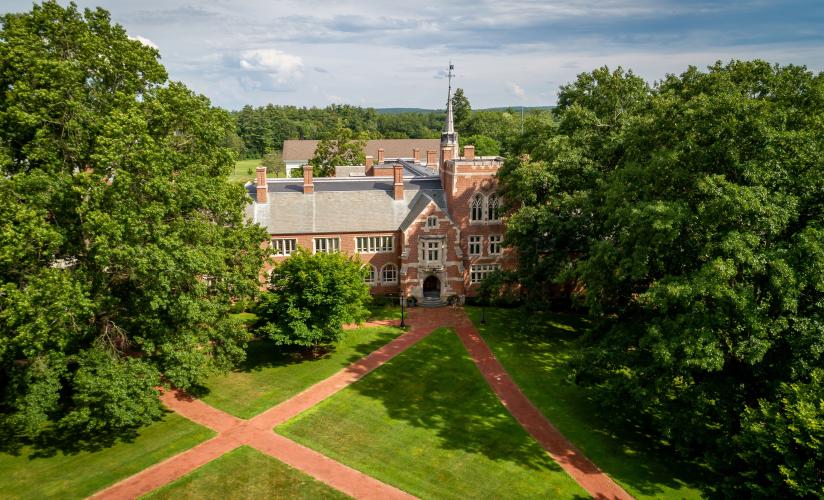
[{"x": 393, "y": 54}]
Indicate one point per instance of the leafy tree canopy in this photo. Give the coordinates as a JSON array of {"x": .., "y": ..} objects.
[
  {"x": 343, "y": 147},
  {"x": 121, "y": 243},
  {"x": 461, "y": 109},
  {"x": 692, "y": 216},
  {"x": 484, "y": 146},
  {"x": 311, "y": 297}
]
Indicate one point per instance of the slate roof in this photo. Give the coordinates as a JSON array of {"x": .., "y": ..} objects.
[
  {"x": 343, "y": 205},
  {"x": 302, "y": 149}
]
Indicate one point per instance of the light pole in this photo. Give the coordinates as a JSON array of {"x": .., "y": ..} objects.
[{"x": 403, "y": 300}]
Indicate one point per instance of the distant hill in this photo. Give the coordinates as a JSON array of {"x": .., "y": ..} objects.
[{"x": 394, "y": 111}]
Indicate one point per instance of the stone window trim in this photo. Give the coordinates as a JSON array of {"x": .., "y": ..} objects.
[
  {"x": 372, "y": 277},
  {"x": 432, "y": 221},
  {"x": 477, "y": 209},
  {"x": 375, "y": 244},
  {"x": 475, "y": 245},
  {"x": 283, "y": 246},
  {"x": 495, "y": 241},
  {"x": 389, "y": 274},
  {"x": 326, "y": 244},
  {"x": 478, "y": 272},
  {"x": 493, "y": 207}
]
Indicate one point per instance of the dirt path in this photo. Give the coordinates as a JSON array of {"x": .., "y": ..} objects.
[{"x": 258, "y": 431}]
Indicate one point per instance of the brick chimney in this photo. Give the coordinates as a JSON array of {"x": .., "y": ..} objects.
[
  {"x": 369, "y": 160},
  {"x": 397, "y": 170},
  {"x": 416, "y": 155},
  {"x": 431, "y": 158},
  {"x": 380, "y": 155},
  {"x": 469, "y": 153},
  {"x": 308, "y": 182},
  {"x": 262, "y": 190}
]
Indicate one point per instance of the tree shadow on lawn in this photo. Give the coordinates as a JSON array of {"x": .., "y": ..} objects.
[
  {"x": 56, "y": 440},
  {"x": 263, "y": 353},
  {"x": 624, "y": 449},
  {"x": 436, "y": 386}
]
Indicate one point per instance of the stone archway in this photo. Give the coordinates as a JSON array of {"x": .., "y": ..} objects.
[{"x": 432, "y": 287}]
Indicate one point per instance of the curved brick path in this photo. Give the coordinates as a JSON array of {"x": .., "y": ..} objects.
[{"x": 258, "y": 431}]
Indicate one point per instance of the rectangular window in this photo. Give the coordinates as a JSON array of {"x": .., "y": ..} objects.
[
  {"x": 475, "y": 245},
  {"x": 327, "y": 245},
  {"x": 495, "y": 244},
  {"x": 477, "y": 273},
  {"x": 432, "y": 221},
  {"x": 375, "y": 244},
  {"x": 283, "y": 246},
  {"x": 433, "y": 251}
]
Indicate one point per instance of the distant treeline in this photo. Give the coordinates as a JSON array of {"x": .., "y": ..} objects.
[{"x": 264, "y": 128}]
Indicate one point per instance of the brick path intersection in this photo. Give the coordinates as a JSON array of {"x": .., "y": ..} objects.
[{"x": 258, "y": 433}]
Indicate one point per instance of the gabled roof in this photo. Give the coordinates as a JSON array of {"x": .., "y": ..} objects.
[
  {"x": 302, "y": 149},
  {"x": 343, "y": 205}
]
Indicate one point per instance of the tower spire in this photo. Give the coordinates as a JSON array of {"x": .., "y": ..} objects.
[
  {"x": 448, "y": 136},
  {"x": 449, "y": 126}
]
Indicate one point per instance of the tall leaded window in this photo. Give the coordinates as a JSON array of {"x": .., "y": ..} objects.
[
  {"x": 283, "y": 246},
  {"x": 433, "y": 251},
  {"x": 495, "y": 244},
  {"x": 493, "y": 204},
  {"x": 327, "y": 245},
  {"x": 374, "y": 244},
  {"x": 476, "y": 208},
  {"x": 389, "y": 274},
  {"x": 475, "y": 245}
]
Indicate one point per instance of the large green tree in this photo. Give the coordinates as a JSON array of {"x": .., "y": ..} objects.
[
  {"x": 342, "y": 147},
  {"x": 461, "y": 109},
  {"x": 311, "y": 297},
  {"x": 693, "y": 218},
  {"x": 121, "y": 243}
]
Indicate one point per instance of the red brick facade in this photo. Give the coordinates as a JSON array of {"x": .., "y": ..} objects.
[{"x": 436, "y": 249}]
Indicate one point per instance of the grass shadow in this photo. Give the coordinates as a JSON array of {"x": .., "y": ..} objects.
[
  {"x": 436, "y": 386},
  {"x": 537, "y": 350}
]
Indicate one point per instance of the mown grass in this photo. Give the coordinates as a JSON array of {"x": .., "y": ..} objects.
[
  {"x": 428, "y": 423},
  {"x": 271, "y": 374},
  {"x": 77, "y": 475},
  {"x": 245, "y": 473},
  {"x": 242, "y": 168},
  {"x": 535, "y": 348}
]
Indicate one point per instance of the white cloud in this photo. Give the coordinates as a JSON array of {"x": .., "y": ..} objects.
[
  {"x": 334, "y": 99},
  {"x": 145, "y": 41},
  {"x": 516, "y": 90},
  {"x": 282, "y": 67}
]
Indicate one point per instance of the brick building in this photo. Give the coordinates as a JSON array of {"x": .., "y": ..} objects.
[{"x": 427, "y": 226}]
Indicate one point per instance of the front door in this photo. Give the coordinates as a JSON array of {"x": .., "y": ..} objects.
[{"x": 432, "y": 287}]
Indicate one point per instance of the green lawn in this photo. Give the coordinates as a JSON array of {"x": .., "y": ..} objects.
[
  {"x": 384, "y": 311},
  {"x": 428, "y": 423},
  {"x": 270, "y": 376},
  {"x": 245, "y": 473},
  {"x": 535, "y": 349},
  {"x": 241, "y": 173},
  {"x": 81, "y": 474}
]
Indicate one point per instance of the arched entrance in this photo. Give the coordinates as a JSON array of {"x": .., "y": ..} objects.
[{"x": 432, "y": 287}]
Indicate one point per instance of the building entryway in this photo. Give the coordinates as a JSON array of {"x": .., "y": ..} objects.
[{"x": 432, "y": 287}]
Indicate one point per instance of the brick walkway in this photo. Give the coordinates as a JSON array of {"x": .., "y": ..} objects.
[{"x": 258, "y": 431}]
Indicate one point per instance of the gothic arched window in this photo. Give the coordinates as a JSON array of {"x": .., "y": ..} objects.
[
  {"x": 476, "y": 208},
  {"x": 493, "y": 205}
]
